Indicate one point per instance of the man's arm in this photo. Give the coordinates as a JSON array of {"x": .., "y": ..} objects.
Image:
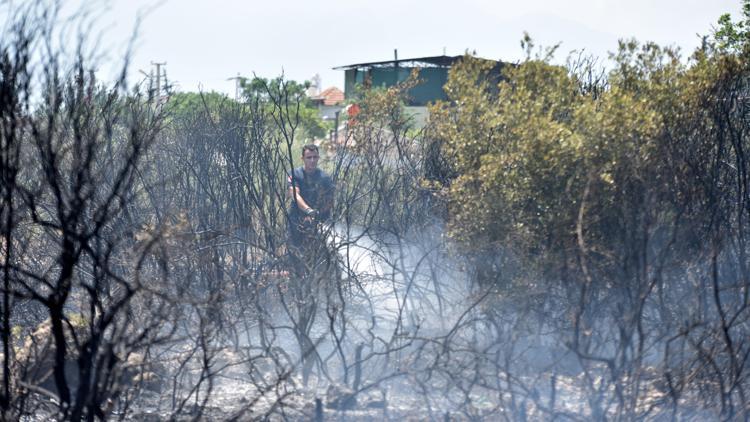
[{"x": 293, "y": 192}]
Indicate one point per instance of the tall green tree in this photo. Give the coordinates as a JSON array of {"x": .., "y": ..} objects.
[{"x": 307, "y": 118}]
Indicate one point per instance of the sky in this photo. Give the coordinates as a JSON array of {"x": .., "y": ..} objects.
[{"x": 204, "y": 43}]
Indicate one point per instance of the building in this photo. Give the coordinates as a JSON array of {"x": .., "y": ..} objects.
[
  {"x": 432, "y": 76},
  {"x": 328, "y": 101}
]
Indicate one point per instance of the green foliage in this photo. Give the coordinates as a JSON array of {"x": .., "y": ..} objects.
[
  {"x": 542, "y": 164},
  {"x": 262, "y": 90},
  {"x": 513, "y": 146},
  {"x": 258, "y": 93},
  {"x": 730, "y": 36},
  {"x": 188, "y": 104}
]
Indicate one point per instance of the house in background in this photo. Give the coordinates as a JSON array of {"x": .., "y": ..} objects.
[
  {"x": 329, "y": 102},
  {"x": 432, "y": 76}
]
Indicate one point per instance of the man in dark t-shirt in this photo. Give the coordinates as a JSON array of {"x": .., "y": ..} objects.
[{"x": 311, "y": 191}]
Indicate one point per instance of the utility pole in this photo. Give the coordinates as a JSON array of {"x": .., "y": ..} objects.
[
  {"x": 336, "y": 129},
  {"x": 237, "y": 79},
  {"x": 158, "y": 65},
  {"x": 395, "y": 67}
]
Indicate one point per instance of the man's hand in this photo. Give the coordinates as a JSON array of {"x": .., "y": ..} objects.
[{"x": 311, "y": 216}]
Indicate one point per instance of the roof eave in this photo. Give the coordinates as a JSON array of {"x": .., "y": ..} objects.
[{"x": 440, "y": 61}]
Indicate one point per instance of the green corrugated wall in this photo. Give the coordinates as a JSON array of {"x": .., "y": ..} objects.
[{"x": 428, "y": 90}]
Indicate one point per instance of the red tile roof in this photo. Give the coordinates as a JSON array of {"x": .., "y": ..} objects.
[{"x": 330, "y": 96}]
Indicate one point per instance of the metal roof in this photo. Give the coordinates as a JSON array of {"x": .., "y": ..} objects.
[{"x": 438, "y": 61}]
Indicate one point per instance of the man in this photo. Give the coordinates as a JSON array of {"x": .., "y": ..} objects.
[{"x": 311, "y": 191}]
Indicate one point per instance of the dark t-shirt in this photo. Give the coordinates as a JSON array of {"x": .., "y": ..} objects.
[{"x": 316, "y": 189}]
